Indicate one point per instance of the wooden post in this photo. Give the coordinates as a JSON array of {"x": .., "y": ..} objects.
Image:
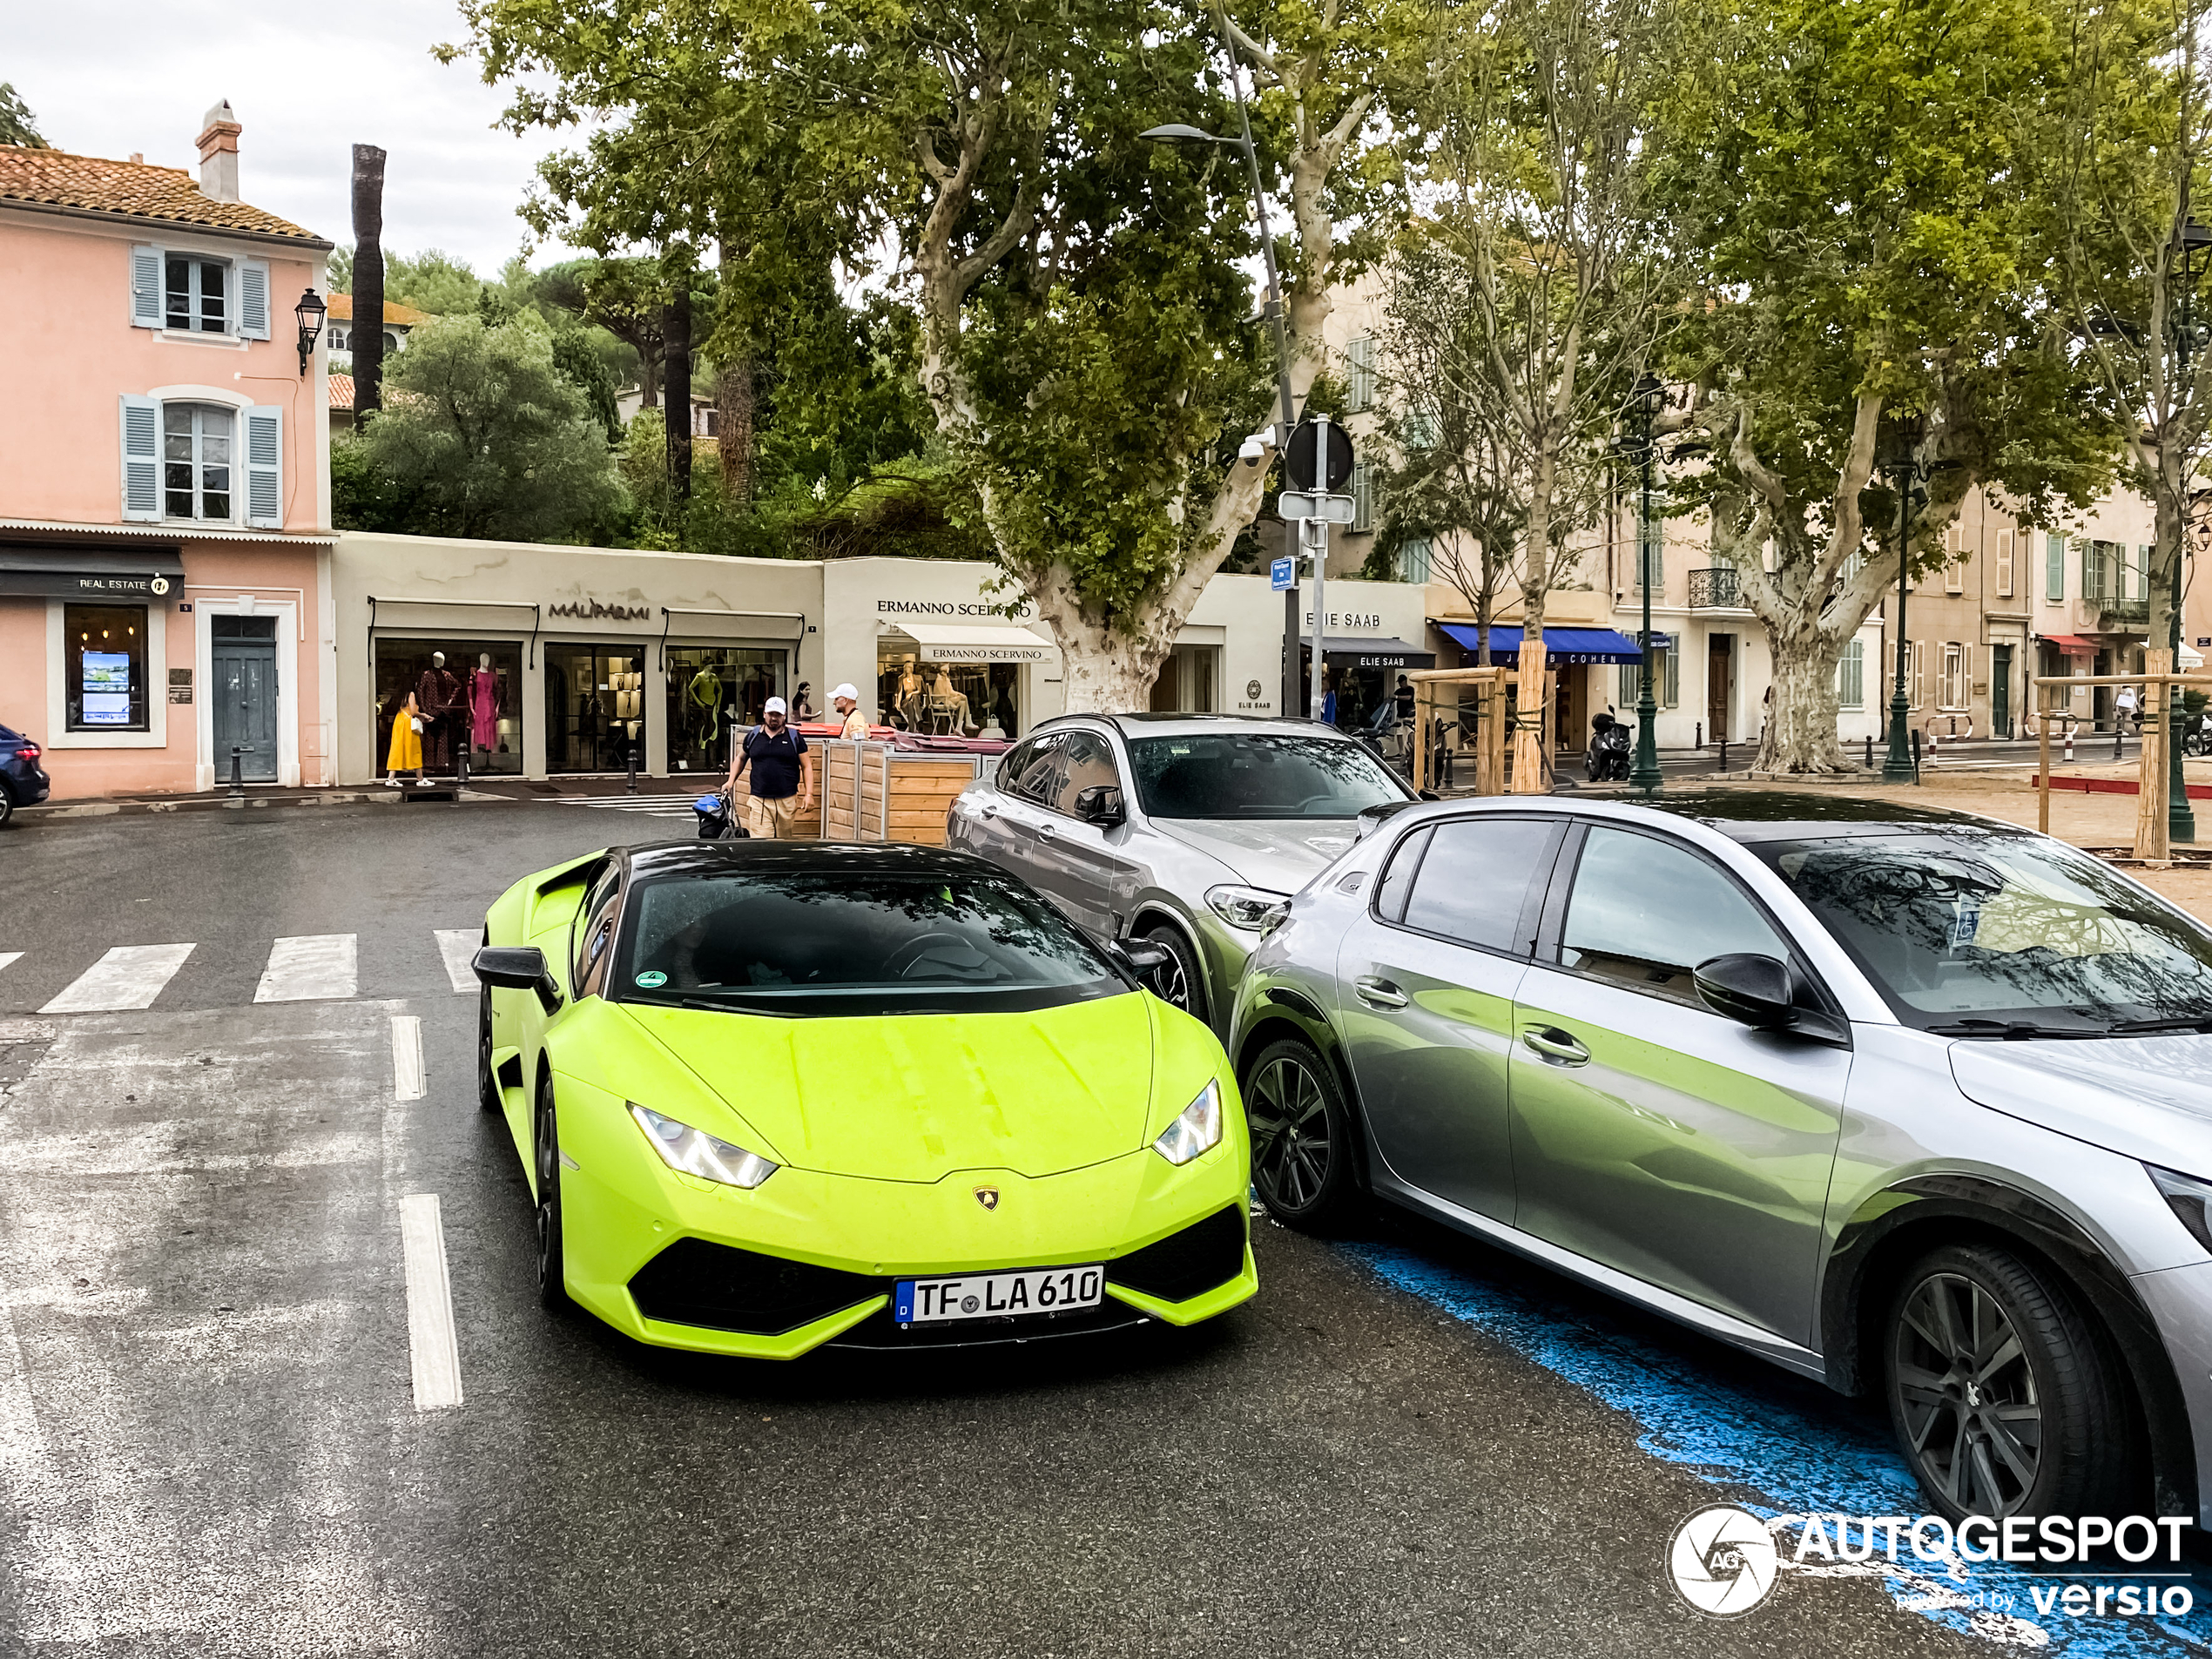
[
  {"x": 1528, "y": 755},
  {"x": 2042, "y": 773},
  {"x": 2150, "y": 798}
]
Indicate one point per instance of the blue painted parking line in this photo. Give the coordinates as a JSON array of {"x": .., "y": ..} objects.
[{"x": 1774, "y": 1459}]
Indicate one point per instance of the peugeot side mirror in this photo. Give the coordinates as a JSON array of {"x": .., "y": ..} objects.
[
  {"x": 1754, "y": 990},
  {"x": 1101, "y": 803},
  {"x": 517, "y": 967}
]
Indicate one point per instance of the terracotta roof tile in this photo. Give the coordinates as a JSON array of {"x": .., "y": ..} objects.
[
  {"x": 342, "y": 391},
  {"x": 129, "y": 189},
  {"x": 341, "y": 310}
]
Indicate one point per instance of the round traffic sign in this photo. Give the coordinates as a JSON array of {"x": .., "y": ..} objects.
[{"x": 1299, "y": 459}]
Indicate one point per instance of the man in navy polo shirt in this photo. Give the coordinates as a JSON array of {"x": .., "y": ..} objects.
[{"x": 779, "y": 760}]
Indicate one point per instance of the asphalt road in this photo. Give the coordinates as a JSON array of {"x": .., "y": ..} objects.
[{"x": 210, "y": 1443}]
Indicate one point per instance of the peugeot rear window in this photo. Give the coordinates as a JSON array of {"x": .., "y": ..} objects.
[{"x": 846, "y": 943}]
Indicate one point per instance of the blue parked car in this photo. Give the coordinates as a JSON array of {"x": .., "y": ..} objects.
[{"x": 21, "y": 782}]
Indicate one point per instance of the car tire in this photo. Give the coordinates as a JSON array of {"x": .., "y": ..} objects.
[
  {"x": 2005, "y": 1399},
  {"x": 1302, "y": 1151},
  {"x": 7, "y": 807},
  {"x": 1183, "y": 982},
  {"x": 545, "y": 1145},
  {"x": 488, "y": 1096}
]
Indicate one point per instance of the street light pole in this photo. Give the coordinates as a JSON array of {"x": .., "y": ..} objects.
[
  {"x": 1897, "y": 767},
  {"x": 2181, "y": 821},
  {"x": 1271, "y": 308},
  {"x": 1644, "y": 774}
]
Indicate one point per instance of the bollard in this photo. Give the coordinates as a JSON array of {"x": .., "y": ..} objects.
[
  {"x": 1870, "y": 754},
  {"x": 2069, "y": 743},
  {"x": 1724, "y": 756},
  {"x": 1935, "y": 746},
  {"x": 1916, "y": 754},
  {"x": 632, "y": 748},
  {"x": 238, "y": 773},
  {"x": 461, "y": 766},
  {"x": 2115, "y": 737},
  {"x": 1700, "y": 730}
]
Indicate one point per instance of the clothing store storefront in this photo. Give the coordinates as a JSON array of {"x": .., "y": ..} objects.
[
  {"x": 932, "y": 649},
  {"x": 140, "y": 664},
  {"x": 546, "y": 662}
]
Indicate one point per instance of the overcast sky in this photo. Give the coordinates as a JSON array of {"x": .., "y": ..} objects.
[{"x": 105, "y": 79}]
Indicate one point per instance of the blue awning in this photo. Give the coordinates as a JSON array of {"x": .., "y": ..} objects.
[{"x": 1563, "y": 647}]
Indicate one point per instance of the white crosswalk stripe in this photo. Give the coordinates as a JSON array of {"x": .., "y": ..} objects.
[
  {"x": 457, "y": 946},
  {"x": 129, "y": 976},
  {"x": 313, "y": 967},
  {"x": 7, "y": 956},
  {"x": 672, "y": 806}
]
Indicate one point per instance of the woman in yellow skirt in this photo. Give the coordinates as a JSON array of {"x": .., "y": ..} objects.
[{"x": 406, "y": 753}]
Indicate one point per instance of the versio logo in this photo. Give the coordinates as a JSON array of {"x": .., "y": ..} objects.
[{"x": 1722, "y": 1562}]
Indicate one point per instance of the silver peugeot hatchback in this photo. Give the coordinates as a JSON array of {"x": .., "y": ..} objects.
[
  {"x": 1912, "y": 1102},
  {"x": 1187, "y": 830}
]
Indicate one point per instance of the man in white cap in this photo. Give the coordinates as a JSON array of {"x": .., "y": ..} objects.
[
  {"x": 845, "y": 699},
  {"x": 779, "y": 758}
]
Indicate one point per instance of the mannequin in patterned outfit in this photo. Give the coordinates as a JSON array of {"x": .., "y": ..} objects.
[{"x": 439, "y": 696}]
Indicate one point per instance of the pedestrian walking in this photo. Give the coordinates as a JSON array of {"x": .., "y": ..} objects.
[
  {"x": 1404, "y": 698},
  {"x": 853, "y": 725},
  {"x": 780, "y": 760},
  {"x": 406, "y": 752},
  {"x": 2124, "y": 707}
]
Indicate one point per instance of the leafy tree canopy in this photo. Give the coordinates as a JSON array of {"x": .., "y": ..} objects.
[{"x": 18, "y": 125}]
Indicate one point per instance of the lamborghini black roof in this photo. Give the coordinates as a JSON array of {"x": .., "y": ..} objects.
[{"x": 714, "y": 858}]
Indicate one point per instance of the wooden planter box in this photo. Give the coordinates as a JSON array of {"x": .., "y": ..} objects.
[{"x": 874, "y": 792}]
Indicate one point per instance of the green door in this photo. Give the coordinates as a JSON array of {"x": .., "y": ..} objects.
[
  {"x": 242, "y": 669},
  {"x": 2000, "y": 690}
]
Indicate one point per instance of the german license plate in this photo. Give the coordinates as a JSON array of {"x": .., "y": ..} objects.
[{"x": 997, "y": 1296}]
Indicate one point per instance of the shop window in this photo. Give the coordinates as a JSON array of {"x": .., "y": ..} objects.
[
  {"x": 105, "y": 662},
  {"x": 594, "y": 707},
  {"x": 486, "y": 701},
  {"x": 1186, "y": 682},
  {"x": 955, "y": 699},
  {"x": 711, "y": 690},
  {"x": 1851, "y": 675}
]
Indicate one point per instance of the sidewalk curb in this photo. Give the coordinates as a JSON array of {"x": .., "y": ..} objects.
[{"x": 225, "y": 803}]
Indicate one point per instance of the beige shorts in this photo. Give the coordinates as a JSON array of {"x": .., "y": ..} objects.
[{"x": 771, "y": 819}]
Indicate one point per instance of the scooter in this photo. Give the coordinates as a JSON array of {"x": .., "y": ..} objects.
[{"x": 1607, "y": 762}]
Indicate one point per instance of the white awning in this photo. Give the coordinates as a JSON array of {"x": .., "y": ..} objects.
[
  {"x": 2189, "y": 660},
  {"x": 973, "y": 642}
]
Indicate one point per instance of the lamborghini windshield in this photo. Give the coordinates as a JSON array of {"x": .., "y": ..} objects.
[{"x": 845, "y": 942}]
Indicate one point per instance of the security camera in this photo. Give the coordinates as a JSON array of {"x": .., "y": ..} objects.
[{"x": 1251, "y": 450}]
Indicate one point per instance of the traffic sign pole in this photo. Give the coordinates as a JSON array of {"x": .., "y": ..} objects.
[{"x": 1317, "y": 530}]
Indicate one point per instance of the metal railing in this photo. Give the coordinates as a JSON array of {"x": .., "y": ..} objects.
[{"x": 1714, "y": 588}]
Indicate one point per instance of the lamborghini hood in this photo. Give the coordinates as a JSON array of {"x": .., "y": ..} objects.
[{"x": 915, "y": 1097}]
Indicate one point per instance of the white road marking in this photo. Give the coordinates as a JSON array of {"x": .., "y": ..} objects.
[
  {"x": 407, "y": 1057},
  {"x": 315, "y": 967},
  {"x": 7, "y": 956},
  {"x": 429, "y": 1303},
  {"x": 129, "y": 976},
  {"x": 458, "y": 946}
]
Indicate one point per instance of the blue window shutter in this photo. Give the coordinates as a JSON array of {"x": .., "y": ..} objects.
[
  {"x": 253, "y": 300},
  {"x": 141, "y": 458},
  {"x": 265, "y": 466},
  {"x": 146, "y": 288},
  {"x": 2054, "y": 568}
]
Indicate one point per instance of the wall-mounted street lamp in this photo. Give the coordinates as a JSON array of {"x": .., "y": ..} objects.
[{"x": 310, "y": 312}]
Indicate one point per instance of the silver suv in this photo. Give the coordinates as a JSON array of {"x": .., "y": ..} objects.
[
  {"x": 1911, "y": 1102},
  {"x": 1188, "y": 830}
]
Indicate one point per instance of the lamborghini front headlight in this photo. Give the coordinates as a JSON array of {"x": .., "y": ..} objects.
[
  {"x": 694, "y": 1151},
  {"x": 1196, "y": 1129}
]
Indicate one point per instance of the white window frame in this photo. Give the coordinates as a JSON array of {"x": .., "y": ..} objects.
[
  {"x": 1363, "y": 497},
  {"x": 1955, "y": 686},
  {"x": 1850, "y": 674},
  {"x": 258, "y": 429},
  {"x": 248, "y": 298},
  {"x": 1360, "y": 374},
  {"x": 1407, "y": 561}
]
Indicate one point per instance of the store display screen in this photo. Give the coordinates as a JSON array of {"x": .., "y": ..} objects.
[{"x": 107, "y": 688}]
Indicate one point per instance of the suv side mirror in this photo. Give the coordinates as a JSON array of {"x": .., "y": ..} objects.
[
  {"x": 1101, "y": 803},
  {"x": 1754, "y": 990},
  {"x": 1145, "y": 957},
  {"x": 517, "y": 967}
]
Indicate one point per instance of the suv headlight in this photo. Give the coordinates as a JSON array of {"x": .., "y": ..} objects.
[
  {"x": 694, "y": 1151},
  {"x": 1196, "y": 1129},
  {"x": 2187, "y": 1196},
  {"x": 1245, "y": 907}
]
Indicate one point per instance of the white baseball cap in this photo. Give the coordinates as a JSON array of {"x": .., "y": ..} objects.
[
  {"x": 847, "y": 691},
  {"x": 776, "y": 706}
]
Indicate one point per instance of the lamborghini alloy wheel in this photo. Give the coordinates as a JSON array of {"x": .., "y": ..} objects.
[{"x": 552, "y": 1289}]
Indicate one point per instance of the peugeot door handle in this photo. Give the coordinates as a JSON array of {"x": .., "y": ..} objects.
[
  {"x": 1377, "y": 992},
  {"x": 990, "y": 809},
  {"x": 1555, "y": 1044},
  {"x": 1047, "y": 832}
]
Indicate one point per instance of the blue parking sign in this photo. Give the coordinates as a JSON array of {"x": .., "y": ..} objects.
[{"x": 1283, "y": 575}]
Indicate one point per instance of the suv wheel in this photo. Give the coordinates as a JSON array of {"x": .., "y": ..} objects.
[
  {"x": 1301, "y": 1136},
  {"x": 2004, "y": 1398},
  {"x": 1182, "y": 983}
]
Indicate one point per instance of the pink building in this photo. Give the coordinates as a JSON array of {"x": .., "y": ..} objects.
[{"x": 165, "y": 478}]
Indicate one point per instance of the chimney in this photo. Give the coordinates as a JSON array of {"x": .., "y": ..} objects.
[{"x": 218, "y": 155}]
